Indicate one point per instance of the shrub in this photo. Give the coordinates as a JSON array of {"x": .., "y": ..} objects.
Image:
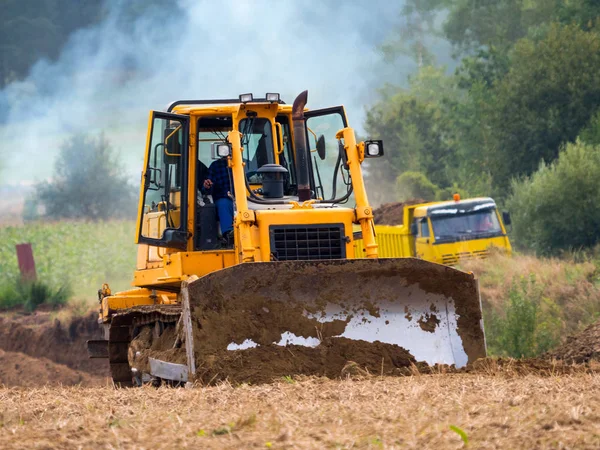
[
  {"x": 556, "y": 209},
  {"x": 529, "y": 326},
  {"x": 32, "y": 294}
]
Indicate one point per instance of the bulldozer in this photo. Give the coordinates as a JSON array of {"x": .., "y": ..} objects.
[{"x": 282, "y": 293}]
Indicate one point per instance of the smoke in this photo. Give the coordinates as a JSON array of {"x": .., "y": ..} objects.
[{"x": 110, "y": 75}]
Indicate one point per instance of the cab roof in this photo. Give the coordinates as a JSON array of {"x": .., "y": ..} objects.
[{"x": 454, "y": 207}]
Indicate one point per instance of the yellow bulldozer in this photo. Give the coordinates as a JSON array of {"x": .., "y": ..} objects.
[{"x": 271, "y": 288}]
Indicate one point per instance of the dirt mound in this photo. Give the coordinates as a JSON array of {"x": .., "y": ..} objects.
[
  {"x": 61, "y": 343},
  {"x": 580, "y": 348},
  {"x": 393, "y": 213},
  {"x": 17, "y": 369}
]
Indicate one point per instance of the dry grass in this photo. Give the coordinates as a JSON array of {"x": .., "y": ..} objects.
[
  {"x": 572, "y": 286},
  {"x": 412, "y": 412}
]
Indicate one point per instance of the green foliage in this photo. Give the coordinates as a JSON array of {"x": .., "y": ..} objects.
[
  {"x": 529, "y": 326},
  {"x": 412, "y": 122},
  {"x": 82, "y": 255},
  {"x": 32, "y": 294},
  {"x": 550, "y": 93},
  {"x": 412, "y": 185},
  {"x": 88, "y": 183},
  {"x": 557, "y": 207},
  {"x": 38, "y": 29}
]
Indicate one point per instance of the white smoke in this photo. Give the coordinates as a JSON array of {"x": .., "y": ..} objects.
[{"x": 110, "y": 75}]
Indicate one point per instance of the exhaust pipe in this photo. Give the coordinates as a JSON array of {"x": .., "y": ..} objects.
[{"x": 301, "y": 145}]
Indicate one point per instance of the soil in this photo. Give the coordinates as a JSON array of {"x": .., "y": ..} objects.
[
  {"x": 41, "y": 336},
  {"x": 393, "y": 213},
  {"x": 18, "y": 369},
  {"x": 580, "y": 348},
  {"x": 36, "y": 349}
]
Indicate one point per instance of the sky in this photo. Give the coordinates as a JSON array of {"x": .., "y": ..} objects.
[{"x": 110, "y": 75}]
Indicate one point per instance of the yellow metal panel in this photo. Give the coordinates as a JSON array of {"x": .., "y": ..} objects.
[
  {"x": 178, "y": 266},
  {"x": 393, "y": 242}
]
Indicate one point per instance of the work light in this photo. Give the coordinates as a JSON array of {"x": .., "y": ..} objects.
[
  {"x": 373, "y": 149},
  {"x": 272, "y": 97},
  {"x": 245, "y": 98}
]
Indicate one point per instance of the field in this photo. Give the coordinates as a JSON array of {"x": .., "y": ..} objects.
[
  {"x": 54, "y": 397},
  {"x": 81, "y": 254},
  {"x": 436, "y": 411}
]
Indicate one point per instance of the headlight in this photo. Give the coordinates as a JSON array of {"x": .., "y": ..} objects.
[
  {"x": 220, "y": 150},
  {"x": 373, "y": 149},
  {"x": 245, "y": 98},
  {"x": 272, "y": 97}
]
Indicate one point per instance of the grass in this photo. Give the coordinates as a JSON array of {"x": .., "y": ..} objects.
[
  {"x": 32, "y": 294},
  {"x": 437, "y": 411},
  {"x": 82, "y": 255},
  {"x": 532, "y": 304}
]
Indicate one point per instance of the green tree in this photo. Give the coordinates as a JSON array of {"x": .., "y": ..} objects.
[
  {"x": 416, "y": 131},
  {"x": 549, "y": 94},
  {"x": 556, "y": 208},
  {"x": 87, "y": 183}
]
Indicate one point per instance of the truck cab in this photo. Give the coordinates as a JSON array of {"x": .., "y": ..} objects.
[{"x": 446, "y": 232}]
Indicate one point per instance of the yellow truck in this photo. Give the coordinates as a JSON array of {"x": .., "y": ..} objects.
[{"x": 444, "y": 232}]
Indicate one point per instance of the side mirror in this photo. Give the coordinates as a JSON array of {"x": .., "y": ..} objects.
[
  {"x": 414, "y": 228},
  {"x": 373, "y": 149},
  {"x": 220, "y": 150},
  {"x": 321, "y": 147},
  {"x": 506, "y": 218}
]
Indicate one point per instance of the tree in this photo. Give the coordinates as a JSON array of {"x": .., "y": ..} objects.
[
  {"x": 550, "y": 93},
  {"x": 416, "y": 131},
  {"x": 556, "y": 208},
  {"x": 87, "y": 183}
]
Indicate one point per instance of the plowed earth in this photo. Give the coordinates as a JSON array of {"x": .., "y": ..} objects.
[{"x": 36, "y": 350}]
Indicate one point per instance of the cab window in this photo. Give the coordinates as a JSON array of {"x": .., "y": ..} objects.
[
  {"x": 424, "y": 228},
  {"x": 257, "y": 143}
]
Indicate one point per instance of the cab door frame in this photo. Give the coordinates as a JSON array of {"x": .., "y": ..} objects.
[{"x": 171, "y": 237}]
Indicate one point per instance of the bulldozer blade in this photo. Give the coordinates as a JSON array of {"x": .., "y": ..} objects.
[
  {"x": 431, "y": 311},
  {"x": 168, "y": 371}
]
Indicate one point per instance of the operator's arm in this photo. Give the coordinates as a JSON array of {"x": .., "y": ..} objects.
[{"x": 207, "y": 186}]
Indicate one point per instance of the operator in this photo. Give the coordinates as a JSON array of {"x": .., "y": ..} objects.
[{"x": 218, "y": 184}]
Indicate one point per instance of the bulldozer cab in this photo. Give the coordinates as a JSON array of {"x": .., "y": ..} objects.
[{"x": 181, "y": 149}]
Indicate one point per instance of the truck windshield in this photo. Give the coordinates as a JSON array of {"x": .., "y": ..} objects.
[{"x": 466, "y": 226}]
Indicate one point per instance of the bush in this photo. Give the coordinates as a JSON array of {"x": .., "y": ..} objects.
[
  {"x": 412, "y": 185},
  {"x": 529, "y": 326},
  {"x": 87, "y": 183},
  {"x": 32, "y": 294},
  {"x": 557, "y": 208}
]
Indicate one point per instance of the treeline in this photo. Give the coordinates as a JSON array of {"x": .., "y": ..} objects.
[
  {"x": 33, "y": 30},
  {"x": 518, "y": 119}
]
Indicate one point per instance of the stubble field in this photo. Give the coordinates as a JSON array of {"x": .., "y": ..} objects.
[{"x": 422, "y": 411}]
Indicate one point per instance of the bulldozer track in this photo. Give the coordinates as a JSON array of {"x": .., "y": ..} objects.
[{"x": 121, "y": 332}]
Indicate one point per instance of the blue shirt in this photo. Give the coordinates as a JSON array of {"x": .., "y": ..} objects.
[{"x": 220, "y": 175}]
